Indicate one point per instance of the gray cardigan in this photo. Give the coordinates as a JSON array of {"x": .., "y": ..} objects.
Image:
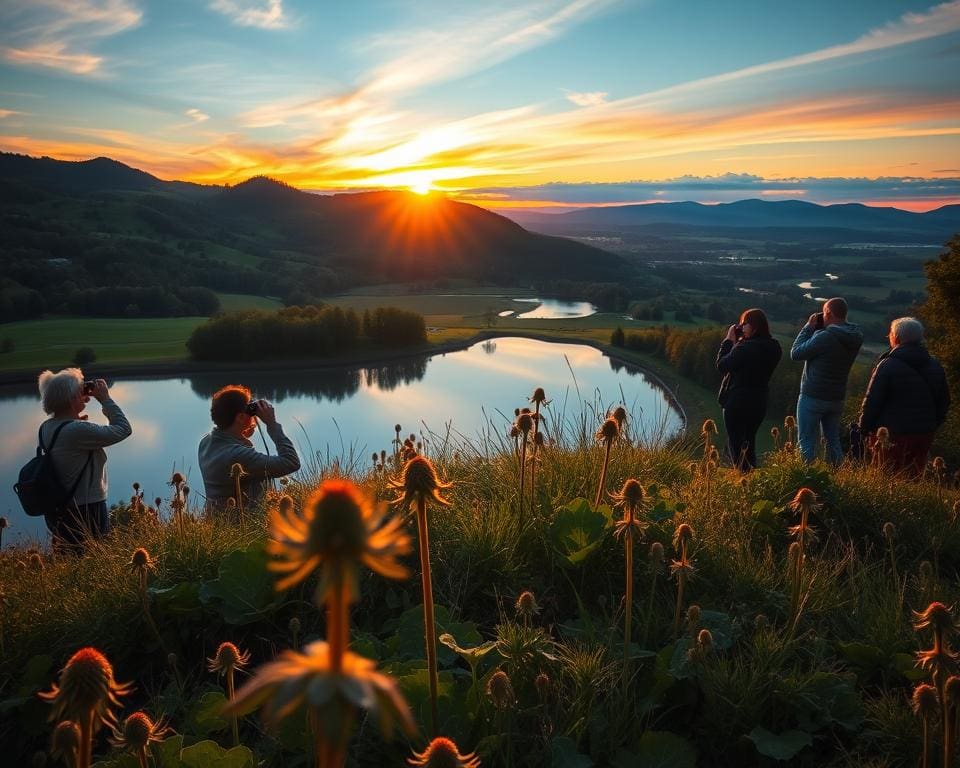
[
  {"x": 77, "y": 441},
  {"x": 829, "y": 354},
  {"x": 219, "y": 451}
]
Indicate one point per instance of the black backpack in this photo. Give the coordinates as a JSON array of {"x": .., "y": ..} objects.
[{"x": 39, "y": 487}]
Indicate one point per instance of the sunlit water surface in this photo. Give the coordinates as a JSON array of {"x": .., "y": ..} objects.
[{"x": 346, "y": 413}]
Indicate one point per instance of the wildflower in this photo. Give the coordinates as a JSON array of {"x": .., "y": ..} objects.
[
  {"x": 524, "y": 424},
  {"x": 419, "y": 482},
  {"x": 443, "y": 753},
  {"x": 683, "y": 568},
  {"x": 655, "y": 557},
  {"x": 633, "y": 498},
  {"x": 608, "y": 432},
  {"x": 137, "y": 733},
  {"x": 527, "y": 606},
  {"x": 228, "y": 658},
  {"x": 693, "y": 619},
  {"x": 141, "y": 562},
  {"x": 940, "y": 660},
  {"x": 340, "y": 527},
  {"x": 500, "y": 690},
  {"x": 66, "y": 742},
  {"x": 86, "y": 695},
  {"x": 925, "y": 705},
  {"x": 775, "y": 434}
]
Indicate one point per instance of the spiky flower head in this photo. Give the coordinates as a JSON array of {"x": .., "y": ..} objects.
[
  {"x": 656, "y": 556},
  {"x": 500, "y": 690},
  {"x": 237, "y": 470},
  {"x": 924, "y": 700},
  {"x": 228, "y": 657},
  {"x": 138, "y": 731},
  {"x": 790, "y": 423},
  {"x": 36, "y": 561},
  {"x": 140, "y": 561},
  {"x": 177, "y": 480},
  {"x": 805, "y": 499},
  {"x": 936, "y": 616},
  {"x": 951, "y": 691},
  {"x": 397, "y": 428},
  {"x": 539, "y": 396},
  {"x": 619, "y": 415},
  {"x": 683, "y": 535},
  {"x": 527, "y": 605},
  {"x": 4, "y": 523},
  {"x": 633, "y": 498},
  {"x": 525, "y": 422},
  {"x": 889, "y": 532},
  {"x": 419, "y": 482},
  {"x": 340, "y": 528},
  {"x": 443, "y": 753},
  {"x": 280, "y": 687},
  {"x": 793, "y": 552},
  {"x": 86, "y": 689},
  {"x": 65, "y": 742},
  {"x": 709, "y": 428},
  {"x": 693, "y": 618},
  {"x": 705, "y": 640},
  {"x": 609, "y": 431},
  {"x": 939, "y": 465}
]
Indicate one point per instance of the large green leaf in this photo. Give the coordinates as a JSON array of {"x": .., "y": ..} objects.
[
  {"x": 578, "y": 529},
  {"x": 209, "y": 754},
  {"x": 658, "y": 749},
  {"x": 243, "y": 591},
  {"x": 205, "y": 715},
  {"x": 409, "y": 641},
  {"x": 821, "y": 700},
  {"x": 779, "y": 746},
  {"x": 180, "y": 600}
]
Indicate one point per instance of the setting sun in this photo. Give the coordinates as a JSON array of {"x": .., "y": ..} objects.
[{"x": 421, "y": 187}]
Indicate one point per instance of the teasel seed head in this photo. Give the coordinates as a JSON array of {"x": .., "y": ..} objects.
[
  {"x": 500, "y": 690},
  {"x": 228, "y": 657},
  {"x": 924, "y": 700},
  {"x": 789, "y": 422},
  {"x": 709, "y": 428},
  {"x": 539, "y": 396},
  {"x": 693, "y": 619},
  {"x": 705, "y": 640},
  {"x": 140, "y": 560},
  {"x": 443, "y": 753},
  {"x": 86, "y": 687},
  {"x": 619, "y": 415},
  {"x": 525, "y": 423},
  {"x": 419, "y": 481},
  {"x": 936, "y": 616},
  {"x": 683, "y": 535},
  {"x": 804, "y": 499},
  {"x": 542, "y": 683},
  {"x": 237, "y": 470},
  {"x": 656, "y": 556},
  {"x": 609, "y": 431},
  {"x": 138, "y": 731},
  {"x": 527, "y": 605}
]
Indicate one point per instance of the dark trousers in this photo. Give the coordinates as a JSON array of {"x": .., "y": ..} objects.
[
  {"x": 742, "y": 423},
  {"x": 907, "y": 454},
  {"x": 72, "y": 529}
]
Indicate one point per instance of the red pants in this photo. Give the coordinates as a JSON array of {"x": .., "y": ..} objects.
[{"x": 906, "y": 455}]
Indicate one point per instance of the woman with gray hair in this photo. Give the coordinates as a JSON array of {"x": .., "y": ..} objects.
[
  {"x": 908, "y": 396},
  {"x": 77, "y": 452}
]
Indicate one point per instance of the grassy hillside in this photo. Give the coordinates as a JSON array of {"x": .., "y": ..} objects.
[{"x": 825, "y": 684}]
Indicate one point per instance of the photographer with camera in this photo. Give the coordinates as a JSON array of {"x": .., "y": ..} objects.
[
  {"x": 747, "y": 359},
  {"x": 235, "y": 415},
  {"x": 75, "y": 446},
  {"x": 828, "y": 345}
]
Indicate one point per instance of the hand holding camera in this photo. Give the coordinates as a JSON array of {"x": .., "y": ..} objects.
[
  {"x": 263, "y": 410},
  {"x": 97, "y": 389}
]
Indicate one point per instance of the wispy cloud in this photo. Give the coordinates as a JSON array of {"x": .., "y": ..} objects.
[
  {"x": 8, "y": 113},
  {"x": 196, "y": 115},
  {"x": 59, "y": 33},
  {"x": 265, "y": 14},
  {"x": 589, "y": 99}
]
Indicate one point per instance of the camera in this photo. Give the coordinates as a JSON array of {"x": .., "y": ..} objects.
[
  {"x": 88, "y": 387},
  {"x": 252, "y": 407},
  {"x": 738, "y": 331},
  {"x": 819, "y": 322}
]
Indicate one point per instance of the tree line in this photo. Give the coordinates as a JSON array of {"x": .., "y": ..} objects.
[{"x": 303, "y": 332}]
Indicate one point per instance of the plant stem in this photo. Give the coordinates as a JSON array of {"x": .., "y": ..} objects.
[
  {"x": 603, "y": 473},
  {"x": 429, "y": 627},
  {"x": 628, "y": 567},
  {"x": 926, "y": 742},
  {"x": 240, "y": 504},
  {"x": 233, "y": 718},
  {"x": 681, "y": 581},
  {"x": 523, "y": 468},
  {"x": 649, "y": 614},
  {"x": 84, "y": 756}
]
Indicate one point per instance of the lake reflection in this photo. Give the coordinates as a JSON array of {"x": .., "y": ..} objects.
[{"x": 344, "y": 413}]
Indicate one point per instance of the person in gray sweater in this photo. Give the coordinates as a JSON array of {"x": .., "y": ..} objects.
[
  {"x": 828, "y": 345},
  {"x": 77, "y": 453},
  {"x": 235, "y": 416}
]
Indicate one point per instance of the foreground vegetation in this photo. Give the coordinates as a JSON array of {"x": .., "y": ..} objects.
[{"x": 770, "y": 653}]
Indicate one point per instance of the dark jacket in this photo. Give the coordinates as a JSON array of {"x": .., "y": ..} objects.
[
  {"x": 829, "y": 354},
  {"x": 907, "y": 393},
  {"x": 747, "y": 367}
]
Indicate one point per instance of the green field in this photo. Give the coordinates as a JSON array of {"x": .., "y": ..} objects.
[{"x": 233, "y": 302}]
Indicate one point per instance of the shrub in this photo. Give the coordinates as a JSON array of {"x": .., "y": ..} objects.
[{"x": 84, "y": 356}]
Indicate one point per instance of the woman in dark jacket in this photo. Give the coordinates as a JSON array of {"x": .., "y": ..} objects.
[{"x": 747, "y": 359}]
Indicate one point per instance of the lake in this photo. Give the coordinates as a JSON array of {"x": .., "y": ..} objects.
[{"x": 346, "y": 413}]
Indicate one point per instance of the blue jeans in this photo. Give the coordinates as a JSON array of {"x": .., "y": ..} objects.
[{"x": 814, "y": 416}]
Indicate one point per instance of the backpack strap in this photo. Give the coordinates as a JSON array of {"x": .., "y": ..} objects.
[{"x": 53, "y": 440}]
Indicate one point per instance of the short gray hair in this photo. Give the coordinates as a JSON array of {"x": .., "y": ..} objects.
[
  {"x": 57, "y": 390},
  {"x": 906, "y": 330}
]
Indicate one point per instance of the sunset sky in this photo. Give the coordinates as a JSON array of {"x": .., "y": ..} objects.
[{"x": 505, "y": 103}]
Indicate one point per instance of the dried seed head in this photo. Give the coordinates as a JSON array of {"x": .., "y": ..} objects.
[
  {"x": 227, "y": 657},
  {"x": 939, "y": 465},
  {"x": 374, "y": 457},
  {"x": 794, "y": 552},
  {"x": 775, "y": 432},
  {"x": 525, "y": 422},
  {"x": 683, "y": 535},
  {"x": 542, "y": 683},
  {"x": 609, "y": 431},
  {"x": 419, "y": 481},
  {"x": 500, "y": 690},
  {"x": 527, "y": 605},
  {"x": 925, "y": 700},
  {"x": 632, "y": 495},
  {"x": 693, "y": 618},
  {"x": 397, "y": 428},
  {"x": 137, "y": 730},
  {"x": 86, "y": 689},
  {"x": 709, "y": 428},
  {"x": 804, "y": 499},
  {"x": 443, "y": 753},
  {"x": 4, "y": 523},
  {"x": 705, "y": 640},
  {"x": 936, "y": 616},
  {"x": 538, "y": 396},
  {"x": 620, "y": 416},
  {"x": 65, "y": 741},
  {"x": 140, "y": 559},
  {"x": 36, "y": 561},
  {"x": 789, "y": 422},
  {"x": 889, "y": 532},
  {"x": 136, "y": 486},
  {"x": 157, "y": 502},
  {"x": 656, "y": 554},
  {"x": 231, "y": 503},
  {"x": 236, "y": 470},
  {"x": 177, "y": 479}
]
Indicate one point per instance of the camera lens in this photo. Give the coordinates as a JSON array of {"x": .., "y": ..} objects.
[{"x": 251, "y": 408}]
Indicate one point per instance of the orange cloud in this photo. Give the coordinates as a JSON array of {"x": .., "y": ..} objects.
[{"x": 54, "y": 55}]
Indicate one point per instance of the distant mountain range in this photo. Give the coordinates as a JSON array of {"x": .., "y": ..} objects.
[
  {"x": 757, "y": 219},
  {"x": 265, "y": 225}
]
